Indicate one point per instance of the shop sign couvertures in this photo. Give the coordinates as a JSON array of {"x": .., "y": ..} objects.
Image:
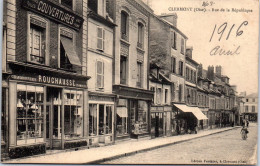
[
  {"x": 50, "y": 80},
  {"x": 55, "y": 12}
]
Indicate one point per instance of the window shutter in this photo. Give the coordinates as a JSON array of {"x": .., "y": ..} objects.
[
  {"x": 100, "y": 74},
  {"x": 99, "y": 38},
  {"x": 103, "y": 39}
]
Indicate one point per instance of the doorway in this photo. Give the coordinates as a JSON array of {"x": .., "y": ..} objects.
[{"x": 53, "y": 118}]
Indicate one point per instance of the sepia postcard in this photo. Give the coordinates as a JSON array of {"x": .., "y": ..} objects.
[{"x": 129, "y": 82}]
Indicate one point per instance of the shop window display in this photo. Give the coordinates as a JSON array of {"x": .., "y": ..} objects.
[
  {"x": 92, "y": 119},
  {"x": 122, "y": 118},
  {"x": 29, "y": 114},
  {"x": 104, "y": 115},
  {"x": 73, "y": 114}
]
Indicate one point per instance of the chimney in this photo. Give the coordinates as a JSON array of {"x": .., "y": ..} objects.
[
  {"x": 200, "y": 68},
  {"x": 210, "y": 73},
  {"x": 189, "y": 52},
  {"x": 172, "y": 18},
  {"x": 218, "y": 71}
]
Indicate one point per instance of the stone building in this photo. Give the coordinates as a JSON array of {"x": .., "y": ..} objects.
[
  {"x": 130, "y": 68},
  {"x": 44, "y": 79},
  {"x": 167, "y": 50},
  {"x": 161, "y": 109},
  {"x": 250, "y": 107}
]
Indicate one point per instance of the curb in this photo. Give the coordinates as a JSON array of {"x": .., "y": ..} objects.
[{"x": 99, "y": 161}]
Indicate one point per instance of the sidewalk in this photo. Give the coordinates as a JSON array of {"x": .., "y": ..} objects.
[{"x": 100, "y": 154}]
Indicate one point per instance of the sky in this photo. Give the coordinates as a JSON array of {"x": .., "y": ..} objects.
[{"x": 242, "y": 67}]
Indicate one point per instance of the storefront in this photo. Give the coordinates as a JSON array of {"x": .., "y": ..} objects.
[
  {"x": 192, "y": 116},
  {"x": 157, "y": 121},
  {"x": 162, "y": 121},
  {"x": 132, "y": 112},
  {"x": 101, "y": 118},
  {"x": 47, "y": 109}
]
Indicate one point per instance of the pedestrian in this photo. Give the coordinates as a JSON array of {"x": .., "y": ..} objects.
[
  {"x": 247, "y": 123},
  {"x": 195, "y": 128}
]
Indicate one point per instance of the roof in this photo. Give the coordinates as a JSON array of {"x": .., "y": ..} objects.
[
  {"x": 162, "y": 79},
  {"x": 171, "y": 25},
  {"x": 253, "y": 95}
]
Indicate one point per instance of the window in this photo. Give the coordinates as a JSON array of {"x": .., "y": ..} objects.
[
  {"x": 194, "y": 77},
  {"x": 166, "y": 96},
  {"x": 153, "y": 89},
  {"x": 73, "y": 114},
  {"x": 100, "y": 38},
  {"x": 253, "y": 108},
  {"x": 246, "y": 100},
  {"x": 173, "y": 64},
  {"x": 68, "y": 55},
  {"x": 123, "y": 70},
  {"x": 158, "y": 94},
  {"x": 92, "y": 119},
  {"x": 182, "y": 46},
  {"x": 187, "y": 73},
  {"x": 174, "y": 41},
  {"x": 180, "y": 93},
  {"x": 253, "y": 100},
  {"x": 181, "y": 68},
  {"x": 29, "y": 114},
  {"x": 101, "y": 114},
  {"x": 191, "y": 75},
  {"x": 37, "y": 44},
  {"x": 172, "y": 91},
  {"x": 100, "y": 74},
  {"x": 139, "y": 74},
  {"x": 246, "y": 108},
  {"x": 140, "y": 35},
  {"x": 124, "y": 25},
  {"x": 122, "y": 117},
  {"x": 67, "y": 3}
]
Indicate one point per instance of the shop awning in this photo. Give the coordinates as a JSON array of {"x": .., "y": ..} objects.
[
  {"x": 70, "y": 51},
  {"x": 194, "y": 110},
  {"x": 199, "y": 115},
  {"x": 122, "y": 112}
]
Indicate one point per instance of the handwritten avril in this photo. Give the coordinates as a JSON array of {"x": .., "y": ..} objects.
[{"x": 220, "y": 32}]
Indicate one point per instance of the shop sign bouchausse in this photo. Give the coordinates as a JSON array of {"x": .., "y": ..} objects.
[
  {"x": 50, "y": 80},
  {"x": 54, "y": 12}
]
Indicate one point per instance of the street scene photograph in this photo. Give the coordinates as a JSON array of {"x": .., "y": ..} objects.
[{"x": 118, "y": 82}]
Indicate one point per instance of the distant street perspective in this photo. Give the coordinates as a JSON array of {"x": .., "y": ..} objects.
[{"x": 223, "y": 148}]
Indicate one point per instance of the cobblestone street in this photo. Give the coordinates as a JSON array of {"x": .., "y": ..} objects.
[{"x": 223, "y": 148}]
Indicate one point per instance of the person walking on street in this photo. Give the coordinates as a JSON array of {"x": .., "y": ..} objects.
[{"x": 247, "y": 123}]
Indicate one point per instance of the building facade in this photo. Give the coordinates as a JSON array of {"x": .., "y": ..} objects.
[
  {"x": 130, "y": 74},
  {"x": 250, "y": 107},
  {"x": 161, "y": 109},
  {"x": 101, "y": 115},
  {"x": 45, "y": 83}
]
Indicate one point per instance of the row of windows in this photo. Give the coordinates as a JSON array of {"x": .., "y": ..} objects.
[
  {"x": 203, "y": 100},
  {"x": 38, "y": 48},
  {"x": 191, "y": 96},
  {"x": 191, "y": 75},
  {"x": 251, "y": 100},
  {"x": 124, "y": 71},
  {"x": 174, "y": 66},
  {"x": 125, "y": 30},
  {"x": 174, "y": 42},
  {"x": 247, "y": 108},
  {"x": 158, "y": 96}
]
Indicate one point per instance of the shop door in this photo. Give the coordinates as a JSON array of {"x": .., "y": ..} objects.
[
  {"x": 157, "y": 121},
  {"x": 53, "y": 118}
]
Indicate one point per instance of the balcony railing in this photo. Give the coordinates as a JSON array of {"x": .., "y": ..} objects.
[
  {"x": 124, "y": 36},
  {"x": 140, "y": 45}
]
